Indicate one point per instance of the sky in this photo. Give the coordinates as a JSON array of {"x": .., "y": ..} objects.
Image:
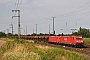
[{"x": 69, "y": 14}]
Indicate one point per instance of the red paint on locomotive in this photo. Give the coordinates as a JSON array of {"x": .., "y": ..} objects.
[{"x": 73, "y": 40}]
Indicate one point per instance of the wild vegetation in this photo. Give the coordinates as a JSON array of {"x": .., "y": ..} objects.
[
  {"x": 2, "y": 34},
  {"x": 86, "y": 40},
  {"x": 19, "y": 49},
  {"x": 83, "y": 32}
]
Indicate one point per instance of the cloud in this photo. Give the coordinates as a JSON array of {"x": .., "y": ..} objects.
[
  {"x": 48, "y": 7},
  {"x": 12, "y": 2},
  {"x": 6, "y": 1},
  {"x": 42, "y": 11}
]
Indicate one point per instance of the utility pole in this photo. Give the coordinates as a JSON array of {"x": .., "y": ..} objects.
[
  {"x": 12, "y": 28},
  {"x": 7, "y": 31},
  {"x": 36, "y": 29},
  {"x": 4, "y": 31},
  {"x": 19, "y": 30},
  {"x": 33, "y": 31},
  {"x": 49, "y": 29},
  {"x": 53, "y": 26},
  {"x": 26, "y": 30}
]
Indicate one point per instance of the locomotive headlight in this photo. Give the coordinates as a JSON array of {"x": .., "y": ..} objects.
[
  {"x": 81, "y": 41},
  {"x": 76, "y": 41}
]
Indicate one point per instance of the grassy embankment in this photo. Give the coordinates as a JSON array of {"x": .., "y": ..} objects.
[
  {"x": 15, "y": 49},
  {"x": 86, "y": 40}
]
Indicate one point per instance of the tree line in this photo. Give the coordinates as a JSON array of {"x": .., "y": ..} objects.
[{"x": 81, "y": 32}]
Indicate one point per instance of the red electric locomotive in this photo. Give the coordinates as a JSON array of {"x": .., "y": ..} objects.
[{"x": 68, "y": 40}]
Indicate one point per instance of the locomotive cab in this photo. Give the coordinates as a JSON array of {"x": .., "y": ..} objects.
[{"x": 79, "y": 41}]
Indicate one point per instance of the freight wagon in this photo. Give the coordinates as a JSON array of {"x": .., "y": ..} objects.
[{"x": 76, "y": 41}]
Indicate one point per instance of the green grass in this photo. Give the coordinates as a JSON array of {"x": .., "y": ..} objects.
[
  {"x": 18, "y": 49},
  {"x": 87, "y": 40},
  {"x": 21, "y": 56}
]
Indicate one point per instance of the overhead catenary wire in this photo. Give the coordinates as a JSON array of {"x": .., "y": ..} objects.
[
  {"x": 75, "y": 10},
  {"x": 15, "y": 8},
  {"x": 82, "y": 17},
  {"x": 43, "y": 17},
  {"x": 75, "y": 13},
  {"x": 71, "y": 14},
  {"x": 76, "y": 21},
  {"x": 15, "y": 4},
  {"x": 19, "y": 4}
]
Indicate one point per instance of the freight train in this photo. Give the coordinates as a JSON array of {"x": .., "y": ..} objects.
[{"x": 76, "y": 41}]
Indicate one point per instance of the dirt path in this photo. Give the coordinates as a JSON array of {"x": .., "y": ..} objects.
[{"x": 2, "y": 42}]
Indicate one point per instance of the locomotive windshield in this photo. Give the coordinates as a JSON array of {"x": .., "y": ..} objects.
[{"x": 78, "y": 38}]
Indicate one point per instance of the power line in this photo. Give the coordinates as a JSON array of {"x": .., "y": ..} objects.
[
  {"x": 71, "y": 12},
  {"x": 36, "y": 15},
  {"x": 83, "y": 17},
  {"x": 15, "y": 8},
  {"x": 17, "y": 4},
  {"x": 20, "y": 4},
  {"x": 75, "y": 13}
]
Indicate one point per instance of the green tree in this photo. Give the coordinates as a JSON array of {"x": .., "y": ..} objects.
[
  {"x": 83, "y": 32},
  {"x": 2, "y": 34}
]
